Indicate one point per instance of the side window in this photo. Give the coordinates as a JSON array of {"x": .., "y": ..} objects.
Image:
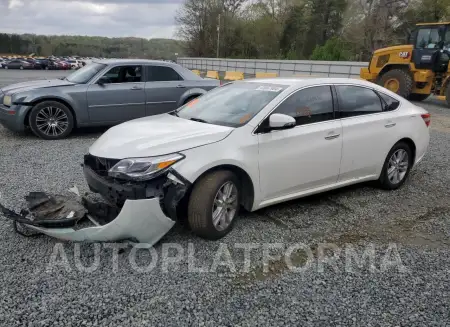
[
  {"x": 356, "y": 101},
  {"x": 162, "y": 74},
  {"x": 124, "y": 74},
  {"x": 391, "y": 103},
  {"x": 311, "y": 105},
  {"x": 427, "y": 38}
]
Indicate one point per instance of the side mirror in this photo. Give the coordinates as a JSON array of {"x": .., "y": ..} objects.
[
  {"x": 103, "y": 80},
  {"x": 281, "y": 121}
]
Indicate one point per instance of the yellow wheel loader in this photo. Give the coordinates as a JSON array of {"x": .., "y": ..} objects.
[{"x": 418, "y": 69}]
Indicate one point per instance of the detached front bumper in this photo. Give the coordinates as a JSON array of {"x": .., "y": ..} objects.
[
  {"x": 139, "y": 220},
  {"x": 143, "y": 212}
]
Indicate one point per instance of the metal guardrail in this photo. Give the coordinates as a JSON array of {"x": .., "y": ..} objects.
[{"x": 283, "y": 68}]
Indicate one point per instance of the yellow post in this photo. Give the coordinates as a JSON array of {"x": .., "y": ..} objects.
[
  {"x": 266, "y": 75},
  {"x": 234, "y": 76},
  {"x": 212, "y": 74}
]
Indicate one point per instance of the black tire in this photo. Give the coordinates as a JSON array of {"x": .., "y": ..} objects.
[
  {"x": 6, "y": 67},
  {"x": 404, "y": 79},
  {"x": 21, "y": 67},
  {"x": 418, "y": 97},
  {"x": 200, "y": 205},
  {"x": 384, "y": 181},
  {"x": 54, "y": 104}
]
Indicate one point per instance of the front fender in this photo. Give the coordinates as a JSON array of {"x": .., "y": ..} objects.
[
  {"x": 74, "y": 97},
  {"x": 189, "y": 93}
]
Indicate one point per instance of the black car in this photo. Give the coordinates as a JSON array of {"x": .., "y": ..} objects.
[{"x": 45, "y": 64}]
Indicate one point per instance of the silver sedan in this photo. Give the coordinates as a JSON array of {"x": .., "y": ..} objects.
[{"x": 105, "y": 92}]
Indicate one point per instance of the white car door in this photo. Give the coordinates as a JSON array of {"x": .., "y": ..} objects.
[
  {"x": 370, "y": 129},
  {"x": 304, "y": 157}
]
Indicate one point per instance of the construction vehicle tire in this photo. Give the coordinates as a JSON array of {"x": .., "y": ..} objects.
[{"x": 398, "y": 81}]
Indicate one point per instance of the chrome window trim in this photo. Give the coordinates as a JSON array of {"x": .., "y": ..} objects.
[
  {"x": 375, "y": 90},
  {"x": 287, "y": 96},
  {"x": 328, "y": 84}
]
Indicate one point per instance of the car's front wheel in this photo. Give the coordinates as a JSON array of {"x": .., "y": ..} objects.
[
  {"x": 51, "y": 120},
  {"x": 214, "y": 204},
  {"x": 396, "y": 167}
]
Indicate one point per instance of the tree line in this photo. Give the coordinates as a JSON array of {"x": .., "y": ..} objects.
[
  {"x": 301, "y": 29},
  {"x": 87, "y": 46}
]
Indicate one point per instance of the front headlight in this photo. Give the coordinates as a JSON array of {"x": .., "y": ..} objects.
[
  {"x": 7, "y": 100},
  {"x": 141, "y": 169}
]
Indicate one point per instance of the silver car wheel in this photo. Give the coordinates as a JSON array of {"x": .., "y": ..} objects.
[
  {"x": 52, "y": 121},
  {"x": 225, "y": 206},
  {"x": 398, "y": 166}
]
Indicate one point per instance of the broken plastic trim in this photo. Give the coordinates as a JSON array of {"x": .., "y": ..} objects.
[{"x": 140, "y": 220}]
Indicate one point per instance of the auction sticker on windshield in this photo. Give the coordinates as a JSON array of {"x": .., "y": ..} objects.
[{"x": 269, "y": 88}]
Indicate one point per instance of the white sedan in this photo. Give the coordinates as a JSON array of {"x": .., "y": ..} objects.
[{"x": 252, "y": 144}]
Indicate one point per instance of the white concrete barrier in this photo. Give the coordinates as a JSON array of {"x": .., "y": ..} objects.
[{"x": 283, "y": 68}]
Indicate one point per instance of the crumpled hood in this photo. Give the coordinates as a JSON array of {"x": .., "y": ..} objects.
[
  {"x": 26, "y": 86},
  {"x": 155, "y": 136}
]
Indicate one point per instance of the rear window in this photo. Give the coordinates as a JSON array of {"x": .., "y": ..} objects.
[{"x": 231, "y": 105}]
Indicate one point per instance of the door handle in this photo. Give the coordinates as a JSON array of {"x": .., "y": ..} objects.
[
  {"x": 136, "y": 88},
  {"x": 388, "y": 125},
  {"x": 332, "y": 136},
  {"x": 181, "y": 86}
]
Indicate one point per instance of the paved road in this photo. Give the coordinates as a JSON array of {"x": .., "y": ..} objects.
[{"x": 408, "y": 231}]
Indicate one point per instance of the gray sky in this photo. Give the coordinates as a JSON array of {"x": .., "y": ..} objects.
[{"x": 139, "y": 18}]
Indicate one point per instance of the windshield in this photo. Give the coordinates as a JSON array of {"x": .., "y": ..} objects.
[
  {"x": 230, "y": 105},
  {"x": 84, "y": 75}
]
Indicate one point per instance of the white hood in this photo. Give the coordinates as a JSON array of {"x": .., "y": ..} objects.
[{"x": 155, "y": 136}]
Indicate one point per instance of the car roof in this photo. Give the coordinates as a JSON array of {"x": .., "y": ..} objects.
[
  {"x": 134, "y": 62},
  {"x": 308, "y": 80},
  {"x": 299, "y": 82}
]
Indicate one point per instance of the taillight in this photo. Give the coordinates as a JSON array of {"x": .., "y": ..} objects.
[{"x": 427, "y": 119}]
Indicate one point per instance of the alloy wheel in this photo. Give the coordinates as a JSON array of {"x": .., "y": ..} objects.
[
  {"x": 398, "y": 166},
  {"x": 225, "y": 206},
  {"x": 52, "y": 121}
]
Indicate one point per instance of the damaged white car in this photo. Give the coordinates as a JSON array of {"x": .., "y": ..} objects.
[{"x": 248, "y": 144}]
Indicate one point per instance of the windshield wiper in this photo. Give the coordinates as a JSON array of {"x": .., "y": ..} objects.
[{"x": 199, "y": 120}]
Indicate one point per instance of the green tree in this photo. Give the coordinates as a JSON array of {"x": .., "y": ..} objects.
[{"x": 334, "y": 49}]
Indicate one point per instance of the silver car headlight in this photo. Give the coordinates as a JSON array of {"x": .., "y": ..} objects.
[
  {"x": 141, "y": 169},
  {"x": 7, "y": 100}
]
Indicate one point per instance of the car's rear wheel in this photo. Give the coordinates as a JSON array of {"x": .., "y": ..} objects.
[
  {"x": 51, "y": 120},
  {"x": 6, "y": 67},
  {"x": 21, "y": 67},
  {"x": 396, "y": 167},
  {"x": 214, "y": 204}
]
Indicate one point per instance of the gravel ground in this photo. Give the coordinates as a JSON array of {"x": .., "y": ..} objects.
[{"x": 44, "y": 283}]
